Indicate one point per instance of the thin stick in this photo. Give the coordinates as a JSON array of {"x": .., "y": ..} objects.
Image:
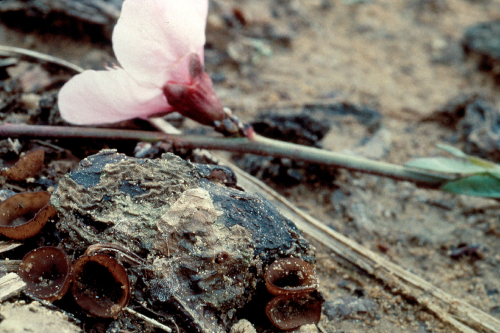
[
  {"x": 10, "y": 284},
  {"x": 10, "y": 50},
  {"x": 11, "y": 265},
  {"x": 149, "y": 320},
  {"x": 70, "y": 132},
  {"x": 258, "y": 146}
]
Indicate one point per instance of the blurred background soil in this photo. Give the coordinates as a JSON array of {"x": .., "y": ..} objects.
[{"x": 387, "y": 80}]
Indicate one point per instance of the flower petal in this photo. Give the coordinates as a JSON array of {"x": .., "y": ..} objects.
[
  {"x": 154, "y": 38},
  {"x": 100, "y": 97}
]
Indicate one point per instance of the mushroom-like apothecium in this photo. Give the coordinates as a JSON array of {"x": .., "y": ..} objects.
[
  {"x": 100, "y": 285},
  {"x": 289, "y": 312},
  {"x": 288, "y": 276},
  {"x": 24, "y": 215},
  {"x": 297, "y": 302},
  {"x": 27, "y": 166},
  {"x": 47, "y": 273}
]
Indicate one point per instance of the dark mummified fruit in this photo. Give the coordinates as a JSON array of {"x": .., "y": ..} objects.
[{"x": 204, "y": 245}]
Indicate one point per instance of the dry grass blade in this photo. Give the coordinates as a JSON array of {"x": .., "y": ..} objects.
[
  {"x": 11, "y": 265},
  {"x": 9, "y": 51},
  {"x": 461, "y": 315},
  {"x": 10, "y": 284},
  {"x": 7, "y": 246},
  {"x": 149, "y": 320}
]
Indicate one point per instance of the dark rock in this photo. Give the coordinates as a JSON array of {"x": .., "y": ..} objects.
[
  {"x": 365, "y": 115},
  {"x": 495, "y": 310},
  {"x": 180, "y": 217},
  {"x": 483, "y": 41},
  {"x": 300, "y": 129},
  {"x": 296, "y": 128},
  {"x": 285, "y": 171},
  {"x": 307, "y": 128},
  {"x": 246, "y": 210},
  {"x": 476, "y": 120},
  {"x": 473, "y": 251}
]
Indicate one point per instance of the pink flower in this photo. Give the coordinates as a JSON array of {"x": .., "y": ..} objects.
[{"x": 159, "y": 44}]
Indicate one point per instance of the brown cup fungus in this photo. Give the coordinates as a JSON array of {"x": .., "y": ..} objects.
[
  {"x": 100, "y": 285},
  {"x": 289, "y": 312},
  {"x": 288, "y": 276},
  {"x": 47, "y": 273},
  {"x": 24, "y": 215},
  {"x": 293, "y": 282},
  {"x": 27, "y": 166}
]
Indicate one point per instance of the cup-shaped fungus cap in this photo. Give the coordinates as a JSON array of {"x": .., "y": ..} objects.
[
  {"x": 24, "y": 215},
  {"x": 287, "y": 276},
  {"x": 27, "y": 166},
  {"x": 47, "y": 273},
  {"x": 100, "y": 285},
  {"x": 289, "y": 312}
]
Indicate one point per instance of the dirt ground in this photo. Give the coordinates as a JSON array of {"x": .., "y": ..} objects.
[{"x": 403, "y": 59}]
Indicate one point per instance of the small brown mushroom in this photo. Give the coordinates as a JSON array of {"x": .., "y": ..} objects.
[
  {"x": 289, "y": 276},
  {"x": 47, "y": 273},
  {"x": 101, "y": 285},
  {"x": 27, "y": 166},
  {"x": 289, "y": 312},
  {"x": 24, "y": 215}
]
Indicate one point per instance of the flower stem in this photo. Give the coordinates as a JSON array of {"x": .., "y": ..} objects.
[
  {"x": 259, "y": 145},
  {"x": 270, "y": 147},
  {"x": 71, "y": 132},
  {"x": 350, "y": 162}
]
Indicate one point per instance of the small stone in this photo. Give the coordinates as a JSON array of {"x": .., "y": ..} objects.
[
  {"x": 311, "y": 328},
  {"x": 476, "y": 120},
  {"x": 483, "y": 40},
  {"x": 301, "y": 128},
  {"x": 243, "y": 326},
  {"x": 31, "y": 101}
]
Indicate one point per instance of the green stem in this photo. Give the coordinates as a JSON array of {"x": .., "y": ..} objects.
[
  {"x": 353, "y": 163},
  {"x": 258, "y": 146},
  {"x": 270, "y": 147}
]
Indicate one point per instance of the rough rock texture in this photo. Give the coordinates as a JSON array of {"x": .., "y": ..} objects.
[
  {"x": 206, "y": 245},
  {"x": 112, "y": 197},
  {"x": 483, "y": 40},
  {"x": 476, "y": 121}
]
